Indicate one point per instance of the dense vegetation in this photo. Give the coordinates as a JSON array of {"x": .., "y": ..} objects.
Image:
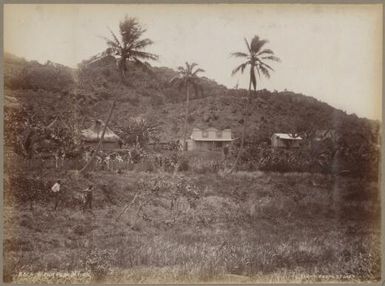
[
  {"x": 79, "y": 96},
  {"x": 243, "y": 227}
]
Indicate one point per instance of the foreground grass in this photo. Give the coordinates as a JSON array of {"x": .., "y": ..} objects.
[{"x": 248, "y": 227}]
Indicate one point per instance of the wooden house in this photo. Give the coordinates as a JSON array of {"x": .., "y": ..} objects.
[{"x": 209, "y": 139}]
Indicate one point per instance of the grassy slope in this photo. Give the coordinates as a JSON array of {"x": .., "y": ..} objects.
[{"x": 244, "y": 227}]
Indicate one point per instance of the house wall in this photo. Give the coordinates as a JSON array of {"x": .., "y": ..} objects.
[
  {"x": 190, "y": 145},
  {"x": 206, "y": 145},
  {"x": 226, "y": 134},
  {"x": 196, "y": 132},
  {"x": 211, "y": 133}
]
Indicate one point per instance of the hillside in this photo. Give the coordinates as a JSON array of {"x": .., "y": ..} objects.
[
  {"x": 281, "y": 216},
  {"x": 84, "y": 94}
]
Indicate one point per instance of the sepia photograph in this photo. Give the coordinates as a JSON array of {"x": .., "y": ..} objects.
[{"x": 192, "y": 143}]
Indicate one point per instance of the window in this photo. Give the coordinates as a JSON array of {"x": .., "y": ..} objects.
[
  {"x": 219, "y": 134},
  {"x": 205, "y": 134}
]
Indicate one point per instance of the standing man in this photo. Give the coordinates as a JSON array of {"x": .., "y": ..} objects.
[
  {"x": 88, "y": 198},
  {"x": 56, "y": 192}
]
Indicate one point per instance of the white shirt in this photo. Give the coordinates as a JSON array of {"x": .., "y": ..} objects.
[{"x": 55, "y": 188}]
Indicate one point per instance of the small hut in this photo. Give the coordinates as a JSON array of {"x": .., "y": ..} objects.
[
  {"x": 285, "y": 140},
  {"x": 91, "y": 136}
]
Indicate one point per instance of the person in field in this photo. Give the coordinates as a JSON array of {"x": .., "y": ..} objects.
[
  {"x": 55, "y": 189},
  {"x": 88, "y": 198}
]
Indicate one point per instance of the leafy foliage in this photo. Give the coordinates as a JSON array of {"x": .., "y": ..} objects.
[
  {"x": 256, "y": 58},
  {"x": 130, "y": 46},
  {"x": 140, "y": 132}
]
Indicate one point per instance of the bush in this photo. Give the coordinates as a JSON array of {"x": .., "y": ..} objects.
[
  {"x": 156, "y": 100},
  {"x": 184, "y": 165},
  {"x": 178, "y": 184},
  {"x": 99, "y": 263},
  {"x": 203, "y": 166},
  {"x": 145, "y": 166}
]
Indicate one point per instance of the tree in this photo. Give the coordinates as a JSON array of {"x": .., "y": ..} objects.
[
  {"x": 141, "y": 132},
  {"x": 187, "y": 78},
  {"x": 130, "y": 48},
  {"x": 256, "y": 58}
]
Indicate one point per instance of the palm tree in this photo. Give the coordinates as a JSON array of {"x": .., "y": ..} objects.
[
  {"x": 130, "y": 48},
  {"x": 187, "y": 78},
  {"x": 256, "y": 58}
]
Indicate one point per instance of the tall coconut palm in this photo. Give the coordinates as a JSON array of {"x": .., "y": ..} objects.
[
  {"x": 255, "y": 59},
  {"x": 187, "y": 78},
  {"x": 129, "y": 48}
]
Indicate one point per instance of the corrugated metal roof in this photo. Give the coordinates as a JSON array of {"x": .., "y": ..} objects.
[{"x": 287, "y": 136}]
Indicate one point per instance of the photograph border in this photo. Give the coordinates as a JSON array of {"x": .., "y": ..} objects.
[{"x": 230, "y": 2}]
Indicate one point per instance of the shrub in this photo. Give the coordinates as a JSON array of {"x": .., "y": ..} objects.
[
  {"x": 203, "y": 166},
  {"x": 145, "y": 166},
  {"x": 184, "y": 164},
  {"x": 99, "y": 263},
  {"x": 156, "y": 100}
]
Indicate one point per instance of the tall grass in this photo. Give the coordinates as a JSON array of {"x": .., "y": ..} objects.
[{"x": 249, "y": 227}]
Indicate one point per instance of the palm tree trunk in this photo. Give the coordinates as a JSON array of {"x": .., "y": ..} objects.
[
  {"x": 86, "y": 167},
  {"x": 186, "y": 117},
  {"x": 245, "y": 115},
  {"x": 89, "y": 163},
  {"x": 184, "y": 148}
]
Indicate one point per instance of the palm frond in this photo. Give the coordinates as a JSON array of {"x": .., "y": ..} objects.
[
  {"x": 144, "y": 55},
  {"x": 257, "y": 44},
  {"x": 181, "y": 69},
  {"x": 187, "y": 66},
  {"x": 272, "y": 58},
  {"x": 239, "y": 55},
  {"x": 265, "y": 52},
  {"x": 130, "y": 30},
  {"x": 247, "y": 45},
  {"x": 264, "y": 71},
  {"x": 115, "y": 38},
  {"x": 266, "y": 65},
  {"x": 174, "y": 81},
  {"x": 141, "y": 44},
  {"x": 239, "y": 68},
  {"x": 110, "y": 42},
  {"x": 192, "y": 65},
  {"x": 197, "y": 71}
]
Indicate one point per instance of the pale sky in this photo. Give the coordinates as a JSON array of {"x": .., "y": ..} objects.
[{"x": 330, "y": 52}]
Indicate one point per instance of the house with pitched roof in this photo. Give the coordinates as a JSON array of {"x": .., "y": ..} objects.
[
  {"x": 90, "y": 137},
  {"x": 209, "y": 139}
]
